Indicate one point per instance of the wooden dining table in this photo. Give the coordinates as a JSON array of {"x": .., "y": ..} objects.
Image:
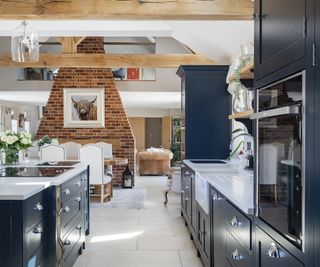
[{"x": 116, "y": 161}]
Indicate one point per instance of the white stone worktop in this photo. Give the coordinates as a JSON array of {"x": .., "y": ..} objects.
[
  {"x": 20, "y": 188},
  {"x": 236, "y": 185}
]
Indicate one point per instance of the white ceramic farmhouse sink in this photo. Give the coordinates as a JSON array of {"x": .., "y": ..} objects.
[{"x": 202, "y": 192}]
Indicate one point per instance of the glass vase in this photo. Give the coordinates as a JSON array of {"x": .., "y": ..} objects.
[
  {"x": 11, "y": 156},
  {"x": 240, "y": 99}
]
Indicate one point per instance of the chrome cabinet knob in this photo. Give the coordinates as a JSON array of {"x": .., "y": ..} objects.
[
  {"x": 67, "y": 192},
  {"x": 67, "y": 209},
  {"x": 78, "y": 183},
  {"x": 200, "y": 233},
  {"x": 216, "y": 197},
  {"x": 78, "y": 227},
  {"x": 236, "y": 255},
  {"x": 187, "y": 198},
  {"x": 273, "y": 251},
  {"x": 234, "y": 222},
  {"x": 38, "y": 229},
  {"x": 187, "y": 187},
  {"x": 78, "y": 199},
  {"x": 67, "y": 242},
  {"x": 182, "y": 191},
  {"x": 38, "y": 206}
]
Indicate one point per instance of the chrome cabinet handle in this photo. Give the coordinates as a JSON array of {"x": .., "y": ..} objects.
[
  {"x": 216, "y": 197},
  {"x": 234, "y": 222},
  {"x": 273, "y": 251},
  {"x": 236, "y": 255},
  {"x": 78, "y": 227},
  {"x": 38, "y": 229},
  {"x": 67, "y": 192},
  {"x": 38, "y": 206},
  {"x": 78, "y": 183},
  {"x": 66, "y": 209},
  {"x": 67, "y": 242},
  {"x": 78, "y": 199}
]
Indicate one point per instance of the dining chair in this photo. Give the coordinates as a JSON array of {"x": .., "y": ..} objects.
[
  {"x": 107, "y": 154},
  {"x": 33, "y": 153},
  {"x": 52, "y": 152},
  {"x": 72, "y": 150},
  {"x": 107, "y": 149},
  {"x": 268, "y": 171},
  {"x": 93, "y": 154}
]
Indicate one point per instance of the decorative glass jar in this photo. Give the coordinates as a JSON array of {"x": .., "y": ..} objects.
[{"x": 240, "y": 98}]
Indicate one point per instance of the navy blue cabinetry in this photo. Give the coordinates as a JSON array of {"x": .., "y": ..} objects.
[
  {"x": 281, "y": 29},
  {"x": 205, "y": 109},
  {"x": 25, "y": 231},
  {"x": 47, "y": 229}
]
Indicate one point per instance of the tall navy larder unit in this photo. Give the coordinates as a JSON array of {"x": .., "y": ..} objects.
[{"x": 205, "y": 109}]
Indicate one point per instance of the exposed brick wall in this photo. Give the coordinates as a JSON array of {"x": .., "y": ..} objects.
[{"x": 117, "y": 128}]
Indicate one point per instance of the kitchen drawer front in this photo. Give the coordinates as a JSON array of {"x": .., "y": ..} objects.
[
  {"x": 72, "y": 238},
  {"x": 236, "y": 255},
  {"x": 34, "y": 208},
  {"x": 39, "y": 257},
  {"x": 271, "y": 253},
  {"x": 239, "y": 225},
  {"x": 71, "y": 187},
  {"x": 35, "y": 238},
  {"x": 70, "y": 209},
  {"x": 227, "y": 263}
]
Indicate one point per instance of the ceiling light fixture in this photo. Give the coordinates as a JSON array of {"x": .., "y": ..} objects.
[{"x": 24, "y": 44}]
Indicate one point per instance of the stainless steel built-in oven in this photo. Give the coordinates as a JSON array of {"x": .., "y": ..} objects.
[{"x": 280, "y": 157}]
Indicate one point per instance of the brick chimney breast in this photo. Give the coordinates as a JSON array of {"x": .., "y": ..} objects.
[{"x": 117, "y": 128}]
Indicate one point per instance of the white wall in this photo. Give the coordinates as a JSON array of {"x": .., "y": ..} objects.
[{"x": 152, "y": 113}]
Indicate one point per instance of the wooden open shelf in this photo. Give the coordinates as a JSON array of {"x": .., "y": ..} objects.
[
  {"x": 241, "y": 115},
  {"x": 245, "y": 73}
]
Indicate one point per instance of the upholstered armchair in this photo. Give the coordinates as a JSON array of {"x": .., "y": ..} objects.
[{"x": 155, "y": 162}]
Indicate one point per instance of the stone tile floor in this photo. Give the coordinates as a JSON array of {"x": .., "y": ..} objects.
[{"x": 151, "y": 237}]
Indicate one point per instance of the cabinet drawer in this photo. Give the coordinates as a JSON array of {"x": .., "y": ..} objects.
[
  {"x": 34, "y": 208},
  {"x": 271, "y": 253},
  {"x": 72, "y": 257},
  {"x": 35, "y": 238},
  {"x": 236, "y": 255},
  {"x": 72, "y": 238},
  {"x": 71, "y": 187},
  {"x": 70, "y": 209},
  {"x": 239, "y": 225},
  {"x": 39, "y": 258},
  {"x": 227, "y": 263}
]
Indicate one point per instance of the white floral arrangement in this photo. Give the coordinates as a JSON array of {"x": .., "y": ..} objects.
[{"x": 16, "y": 141}]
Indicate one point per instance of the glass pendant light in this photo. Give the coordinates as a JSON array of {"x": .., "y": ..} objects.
[{"x": 24, "y": 44}]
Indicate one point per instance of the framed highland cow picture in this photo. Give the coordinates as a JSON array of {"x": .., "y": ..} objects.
[{"x": 83, "y": 107}]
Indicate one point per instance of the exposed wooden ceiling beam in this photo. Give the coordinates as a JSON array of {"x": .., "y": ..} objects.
[
  {"x": 110, "y": 60},
  {"x": 129, "y": 9},
  {"x": 69, "y": 44}
]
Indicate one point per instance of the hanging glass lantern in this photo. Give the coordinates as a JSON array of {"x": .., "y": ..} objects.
[
  {"x": 127, "y": 178},
  {"x": 24, "y": 44}
]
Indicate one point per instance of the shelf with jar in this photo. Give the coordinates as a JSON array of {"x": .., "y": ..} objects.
[{"x": 245, "y": 72}]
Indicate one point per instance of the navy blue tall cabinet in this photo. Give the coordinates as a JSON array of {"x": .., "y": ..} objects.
[{"x": 205, "y": 109}]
